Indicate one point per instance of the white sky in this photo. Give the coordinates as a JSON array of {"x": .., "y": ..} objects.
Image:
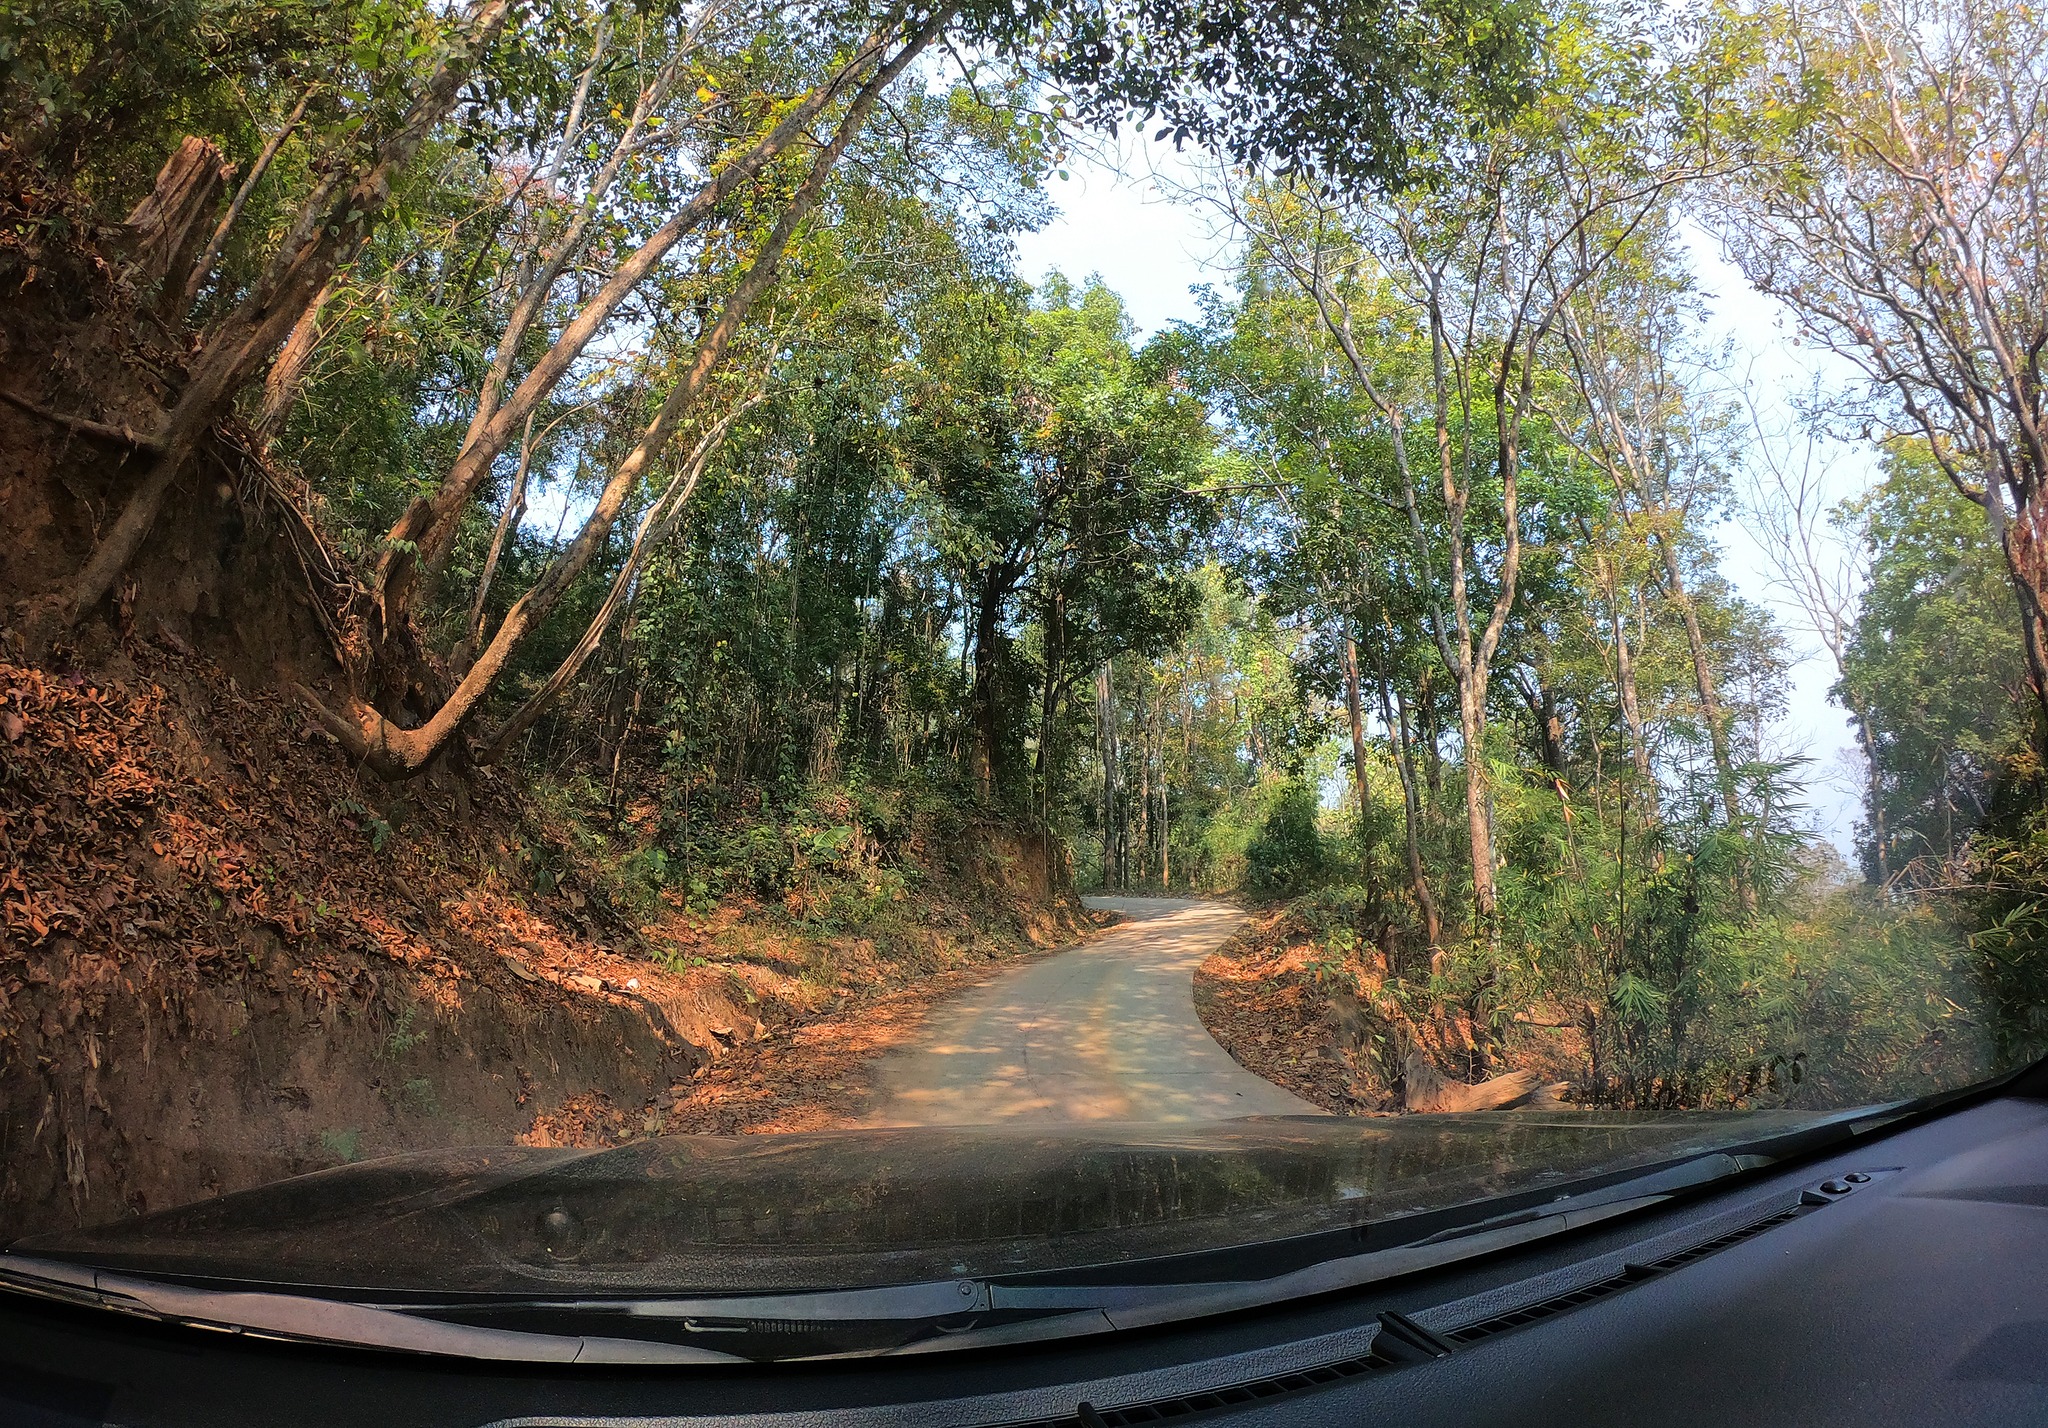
[{"x": 1152, "y": 251}]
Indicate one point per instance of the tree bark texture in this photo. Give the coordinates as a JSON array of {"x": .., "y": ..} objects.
[{"x": 169, "y": 226}]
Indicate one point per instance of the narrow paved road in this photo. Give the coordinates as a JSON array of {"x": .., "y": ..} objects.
[{"x": 1107, "y": 1031}]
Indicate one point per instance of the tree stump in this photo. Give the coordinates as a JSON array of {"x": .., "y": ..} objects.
[{"x": 171, "y": 225}]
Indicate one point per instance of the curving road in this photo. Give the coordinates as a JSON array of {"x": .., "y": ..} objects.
[{"x": 1106, "y": 1032}]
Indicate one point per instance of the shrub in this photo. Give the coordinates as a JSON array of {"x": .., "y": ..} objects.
[{"x": 1288, "y": 855}]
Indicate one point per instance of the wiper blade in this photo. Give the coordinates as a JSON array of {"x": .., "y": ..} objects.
[{"x": 312, "y": 1319}]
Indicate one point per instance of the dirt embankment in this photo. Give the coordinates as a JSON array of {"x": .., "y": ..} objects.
[
  {"x": 227, "y": 958},
  {"x": 1321, "y": 1016},
  {"x": 1259, "y": 998}
]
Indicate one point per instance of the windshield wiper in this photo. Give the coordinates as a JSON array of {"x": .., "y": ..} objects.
[{"x": 314, "y": 1319}]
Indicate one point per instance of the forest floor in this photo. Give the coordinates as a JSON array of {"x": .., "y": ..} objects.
[
  {"x": 1331, "y": 1025},
  {"x": 228, "y": 957},
  {"x": 1259, "y": 997}
]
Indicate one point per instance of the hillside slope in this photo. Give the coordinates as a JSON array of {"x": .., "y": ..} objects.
[{"x": 227, "y": 958}]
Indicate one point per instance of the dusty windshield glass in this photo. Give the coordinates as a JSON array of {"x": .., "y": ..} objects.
[{"x": 726, "y": 648}]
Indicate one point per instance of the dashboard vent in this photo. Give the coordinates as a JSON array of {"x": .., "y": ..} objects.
[
  {"x": 1733, "y": 1237},
  {"x": 1168, "y": 1410}
]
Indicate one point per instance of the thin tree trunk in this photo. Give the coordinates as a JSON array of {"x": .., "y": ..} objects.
[
  {"x": 1625, "y": 681},
  {"x": 1356, "y": 710},
  {"x": 1396, "y": 718},
  {"x": 1542, "y": 702},
  {"x": 619, "y": 744},
  {"x": 534, "y": 288},
  {"x": 1478, "y": 813},
  {"x": 1703, "y": 679},
  {"x": 1859, "y": 714},
  {"x": 981, "y": 694},
  {"x": 1105, "y": 722},
  {"x": 655, "y": 528},
  {"x": 508, "y": 522},
  {"x": 1143, "y": 803},
  {"x": 1165, "y": 828},
  {"x": 1048, "y": 722},
  {"x": 1432, "y": 737},
  {"x": 1187, "y": 746},
  {"x": 1164, "y": 823},
  {"x": 430, "y": 524},
  {"x": 281, "y": 384}
]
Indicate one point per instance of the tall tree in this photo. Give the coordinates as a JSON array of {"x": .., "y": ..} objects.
[
  {"x": 1480, "y": 265},
  {"x": 1895, "y": 193}
]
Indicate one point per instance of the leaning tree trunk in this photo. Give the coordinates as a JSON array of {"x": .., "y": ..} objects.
[
  {"x": 195, "y": 279},
  {"x": 392, "y": 752},
  {"x": 655, "y": 528},
  {"x": 424, "y": 535},
  {"x": 281, "y": 384}
]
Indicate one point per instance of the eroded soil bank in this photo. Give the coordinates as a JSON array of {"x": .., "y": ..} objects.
[
  {"x": 229, "y": 958},
  {"x": 1330, "y": 1022}
]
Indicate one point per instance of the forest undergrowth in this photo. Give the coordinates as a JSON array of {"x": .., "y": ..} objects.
[{"x": 1841, "y": 996}]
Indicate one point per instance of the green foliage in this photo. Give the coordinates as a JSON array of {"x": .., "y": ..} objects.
[
  {"x": 404, "y": 1035},
  {"x": 1340, "y": 90},
  {"x": 2002, "y": 896},
  {"x": 100, "y": 91},
  {"x": 344, "y": 1145},
  {"x": 1933, "y": 664},
  {"x": 1288, "y": 854},
  {"x": 359, "y": 815}
]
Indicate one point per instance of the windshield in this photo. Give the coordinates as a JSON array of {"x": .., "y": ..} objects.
[{"x": 702, "y": 651}]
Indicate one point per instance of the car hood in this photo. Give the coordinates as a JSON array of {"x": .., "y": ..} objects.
[{"x": 857, "y": 1208}]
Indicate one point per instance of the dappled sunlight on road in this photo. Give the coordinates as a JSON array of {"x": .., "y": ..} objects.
[{"x": 1105, "y": 1032}]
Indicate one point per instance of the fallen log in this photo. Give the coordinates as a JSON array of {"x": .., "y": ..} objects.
[{"x": 1429, "y": 1090}]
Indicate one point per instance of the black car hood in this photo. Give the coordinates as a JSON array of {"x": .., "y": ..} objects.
[{"x": 856, "y": 1208}]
